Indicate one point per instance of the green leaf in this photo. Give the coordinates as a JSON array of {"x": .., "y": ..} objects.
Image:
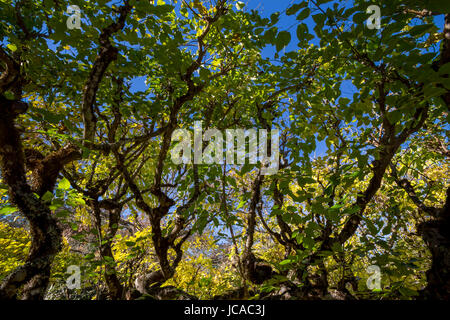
[
  {"x": 12, "y": 47},
  {"x": 63, "y": 213},
  {"x": 394, "y": 116},
  {"x": 319, "y": 19},
  {"x": 241, "y": 204},
  {"x": 445, "y": 69},
  {"x": 285, "y": 262},
  {"x": 302, "y": 31},
  {"x": 64, "y": 184},
  {"x": 420, "y": 30},
  {"x": 295, "y": 7},
  {"x": 308, "y": 243},
  {"x": 373, "y": 230},
  {"x": 437, "y": 6},
  {"x": 305, "y": 180},
  {"x": 7, "y": 210},
  {"x": 282, "y": 40},
  {"x": 204, "y": 73},
  {"x": 47, "y": 197},
  {"x": 274, "y": 17},
  {"x": 430, "y": 91},
  {"x": 304, "y": 14},
  {"x": 89, "y": 256}
]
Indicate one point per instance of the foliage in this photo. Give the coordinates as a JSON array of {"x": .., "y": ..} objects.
[{"x": 86, "y": 132}]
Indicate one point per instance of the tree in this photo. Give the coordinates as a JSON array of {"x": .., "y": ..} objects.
[{"x": 87, "y": 133}]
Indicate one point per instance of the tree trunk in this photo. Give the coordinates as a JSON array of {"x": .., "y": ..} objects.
[
  {"x": 46, "y": 236},
  {"x": 436, "y": 234}
]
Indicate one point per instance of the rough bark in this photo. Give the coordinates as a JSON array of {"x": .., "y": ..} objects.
[
  {"x": 436, "y": 234},
  {"x": 45, "y": 170},
  {"x": 107, "y": 54},
  {"x": 46, "y": 236},
  {"x": 115, "y": 288}
]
